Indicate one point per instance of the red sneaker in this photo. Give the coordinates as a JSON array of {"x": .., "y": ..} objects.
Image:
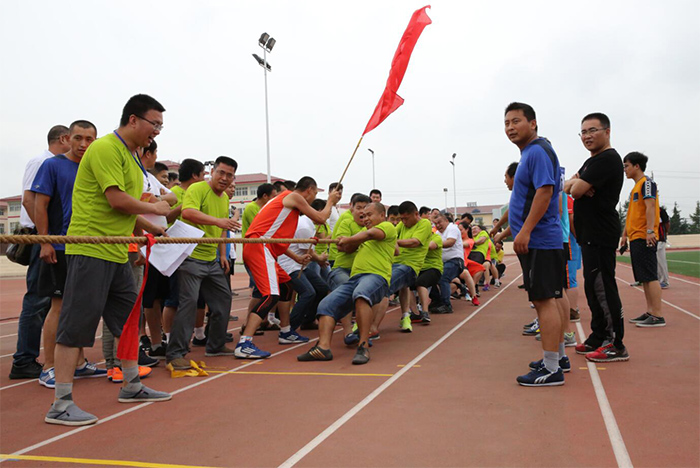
[
  {"x": 608, "y": 353},
  {"x": 117, "y": 376},
  {"x": 475, "y": 301},
  {"x": 584, "y": 348}
]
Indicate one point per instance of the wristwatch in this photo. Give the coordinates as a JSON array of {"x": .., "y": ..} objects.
[{"x": 650, "y": 231}]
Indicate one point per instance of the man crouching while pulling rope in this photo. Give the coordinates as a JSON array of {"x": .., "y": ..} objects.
[
  {"x": 277, "y": 220},
  {"x": 367, "y": 286}
]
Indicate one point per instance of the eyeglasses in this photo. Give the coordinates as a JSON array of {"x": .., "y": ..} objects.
[
  {"x": 591, "y": 131},
  {"x": 156, "y": 126}
]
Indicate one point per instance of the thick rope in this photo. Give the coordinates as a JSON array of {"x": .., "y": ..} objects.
[{"x": 37, "y": 239}]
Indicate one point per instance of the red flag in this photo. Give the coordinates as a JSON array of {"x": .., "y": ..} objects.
[{"x": 390, "y": 101}]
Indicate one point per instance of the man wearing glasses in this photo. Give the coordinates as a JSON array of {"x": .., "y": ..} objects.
[
  {"x": 206, "y": 207},
  {"x": 99, "y": 282},
  {"x": 596, "y": 191}
]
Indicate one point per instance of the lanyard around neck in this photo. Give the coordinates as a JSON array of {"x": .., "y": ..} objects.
[{"x": 138, "y": 161}]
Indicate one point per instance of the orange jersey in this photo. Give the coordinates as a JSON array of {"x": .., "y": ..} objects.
[
  {"x": 468, "y": 244},
  {"x": 636, "y": 223},
  {"x": 275, "y": 221}
]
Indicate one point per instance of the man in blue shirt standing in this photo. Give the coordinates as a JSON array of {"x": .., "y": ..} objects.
[{"x": 535, "y": 223}]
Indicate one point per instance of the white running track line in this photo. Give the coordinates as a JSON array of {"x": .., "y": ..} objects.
[
  {"x": 670, "y": 276},
  {"x": 144, "y": 405},
  {"x": 318, "y": 440},
  {"x": 681, "y": 261},
  {"x": 618, "y": 445},
  {"x": 662, "y": 300}
]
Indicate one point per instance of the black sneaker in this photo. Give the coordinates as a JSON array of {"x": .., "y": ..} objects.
[
  {"x": 145, "y": 359},
  {"x": 522, "y": 286},
  {"x": 158, "y": 352},
  {"x": 443, "y": 309},
  {"x": 415, "y": 318},
  {"x": 316, "y": 354},
  {"x": 652, "y": 321},
  {"x": 229, "y": 337},
  {"x": 362, "y": 355},
  {"x": 30, "y": 370},
  {"x": 197, "y": 342},
  {"x": 425, "y": 318},
  {"x": 145, "y": 343},
  {"x": 641, "y": 318}
]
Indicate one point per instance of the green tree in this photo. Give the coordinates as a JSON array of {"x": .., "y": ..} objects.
[
  {"x": 678, "y": 224},
  {"x": 622, "y": 212},
  {"x": 695, "y": 220}
]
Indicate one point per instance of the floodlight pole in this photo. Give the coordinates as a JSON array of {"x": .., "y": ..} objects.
[
  {"x": 267, "y": 118},
  {"x": 374, "y": 183},
  {"x": 454, "y": 182}
]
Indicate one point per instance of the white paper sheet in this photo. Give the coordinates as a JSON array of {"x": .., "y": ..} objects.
[{"x": 168, "y": 257}]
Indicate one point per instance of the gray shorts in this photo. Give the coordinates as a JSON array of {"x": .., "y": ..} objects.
[{"x": 94, "y": 288}]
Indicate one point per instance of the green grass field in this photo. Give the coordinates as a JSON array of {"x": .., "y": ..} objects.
[{"x": 682, "y": 263}]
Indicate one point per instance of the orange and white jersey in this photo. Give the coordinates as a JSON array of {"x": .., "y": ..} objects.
[{"x": 275, "y": 221}]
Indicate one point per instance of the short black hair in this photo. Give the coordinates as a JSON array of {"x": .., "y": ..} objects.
[
  {"x": 304, "y": 184},
  {"x": 265, "y": 189},
  {"x": 226, "y": 160},
  {"x": 423, "y": 210},
  {"x": 56, "y": 132},
  {"x": 636, "y": 158},
  {"x": 151, "y": 148},
  {"x": 373, "y": 191},
  {"x": 82, "y": 124},
  {"x": 318, "y": 204},
  {"x": 360, "y": 198},
  {"x": 407, "y": 207},
  {"x": 393, "y": 210},
  {"x": 527, "y": 109},
  {"x": 604, "y": 120},
  {"x": 279, "y": 186},
  {"x": 290, "y": 184},
  {"x": 158, "y": 167},
  {"x": 355, "y": 195},
  {"x": 512, "y": 167},
  {"x": 468, "y": 216},
  {"x": 189, "y": 168},
  {"x": 447, "y": 215},
  {"x": 172, "y": 176},
  {"x": 335, "y": 185},
  {"x": 138, "y": 105}
]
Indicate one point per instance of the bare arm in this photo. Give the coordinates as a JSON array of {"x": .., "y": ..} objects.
[
  {"x": 41, "y": 219},
  {"x": 409, "y": 243},
  {"x": 540, "y": 203},
  {"x": 354, "y": 241},
  {"x": 432, "y": 246},
  {"x": 122, "y": 201},
  {"x": 197, "y": 217},
  {"x": 28, "y": 199},
  {"x": 577, "y": 187},
  {"x": 500, "y": 223},
  {"x": 447, "y": 243},
  {"x": 650, "y": 205},
  {"x": 294, "y": 200}
]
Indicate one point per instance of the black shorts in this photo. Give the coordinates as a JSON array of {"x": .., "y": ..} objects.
[
  {"x": 644, "y": 261},
  {"x": 94, "y": 288},
  {"x": 428, "y": 278},
  {"x": 157, "y": 287},
  {"x": 52, "y": 276},
  {"x": 543, "y": 273},
  {"x": 477, "y": 257},
  {"x": 566, "y": 257}
]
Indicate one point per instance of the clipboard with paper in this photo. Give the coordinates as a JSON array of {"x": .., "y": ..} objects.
[{"x": 166, "y": 258}]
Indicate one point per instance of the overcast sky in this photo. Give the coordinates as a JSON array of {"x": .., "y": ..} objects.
[{"x": 637, "y": 61}]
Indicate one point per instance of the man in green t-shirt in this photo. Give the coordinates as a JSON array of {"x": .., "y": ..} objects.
[
  {"x": 206, "y": 207},
  {"x": 368, "y": 284},
  {"x": 429, "y": 276},
  {"x": 99, "y": 282},
  {"x": 349, "y": 223}
]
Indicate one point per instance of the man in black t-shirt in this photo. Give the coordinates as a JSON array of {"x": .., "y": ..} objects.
[
  {"x": 596, "y": 191},
  {"x": 664, "y": 226}
]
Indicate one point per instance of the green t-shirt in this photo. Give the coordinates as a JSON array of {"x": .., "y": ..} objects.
[
  {"x": 414, "y": 257},
  {"x": 249, "y": 213},
  {"x": 107, "y": 163},
  {"x": 483, "y": 248},
  {"x": 345, "y": 227},
  {"x": 322, "y": 230},
  {"x": 180, "y": 194},
  {"x": 201, "y": 197},
  {"x": 375, "y": 256},
  {"x": 433, "y": 259},
  {"x": 333, "y": 249}
]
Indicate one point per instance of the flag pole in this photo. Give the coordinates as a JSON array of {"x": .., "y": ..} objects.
[{"x": 351, "y": 158}]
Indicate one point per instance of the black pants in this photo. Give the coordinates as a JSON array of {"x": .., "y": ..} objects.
[{"x": 607, "y": 321}]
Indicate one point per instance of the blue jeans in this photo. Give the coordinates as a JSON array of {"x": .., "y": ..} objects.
[
  {"x": 402, "y": 276},
  {"x": 34, "y": 310},
  {"x": 372, "y": 288},
  {"x": 323, "y": 272},
  {"x": 452, "y": 269},
  {"x": 311, "y": 289},
  {"x": 338, "y": 277}
]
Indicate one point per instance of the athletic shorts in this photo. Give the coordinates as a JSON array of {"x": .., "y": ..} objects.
[
  {"x": 428, "y": 278},
  {"x": 266, "y": 272},
  {"x": 543, "y": 273},
  {"x": 157, "y": 287},
  {"x": 644, "y": 261},
  {"x": 473, "y": 267},
  {"x": 173, "y": 298},
  {"x": 478, "y": 257},
  {"x": 94, "y": 288},
  {"x": 566, "y": 257},
  {"x": 370, "y": 287},
  {"x": 52, "y": 276}
]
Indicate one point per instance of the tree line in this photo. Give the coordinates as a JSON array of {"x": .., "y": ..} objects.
[{"x": 679, "y": 224}]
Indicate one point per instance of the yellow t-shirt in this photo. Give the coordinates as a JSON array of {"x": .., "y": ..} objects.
[
  {"x": 106, "y": 163},
  {"x": 636, "y": 223},
  {"x": 345, "y": 227},
  {"x": 248, "y": 215},
  {"x": 322, "y": 230},
  {"x": 433, "y": 259},
  {"x": 333, "y": 249},
  {"x": 376, "y": 256},
  {"x": 414, "y": 257},
  {"x": 201, "y": 197}
]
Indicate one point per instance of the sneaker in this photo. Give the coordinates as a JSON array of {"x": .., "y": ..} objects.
[
  {"x": 71, "y": 416},
  {"x": 532, "y": 331},
  {"x": 30, "y": 370},
  {"x": 485, "y": 288},
  {"x": 362, "y": 355},
  {"x": 584, "y": 348},
  {"x": 145, "y": 342},
  {"x": 531, "y": 324},
  {"x": 636, "y": 283},
  {"x": 115, "y": 375},
  {"x": 197, "y": 342},
  {"x": 665, "y": 285},
  {"x": 158, "y": 352},
  {"x": 425, "y": 318},
  {"x": 248, "y": 350},
  {"x": 532, "y": 306},
  {"x": 415, "y": 318},
  {"x": 316, "y": 354},
  {"x": 443, "y": 309},
  {"x": 569, "y": 339},
  {"x": 180, "y": 364},
  {"x": 574, "y": 315},
  {"x": 223, "y": 351},
  {"x": 405, "y": 324},
  {"x": 89, "y": 371},
  {"x": 641, "y": 318},
  {"x": 475, "y": 301},
  {"x": 291, "y": 337},
  {"x": 497, "y": 284},
  {"x": 652, "y": 321},
  {"x": 541, "y": 377},
  {"x": 145, "y": 394},
  {"x": 229, "y": 337},
  {"x": 521, "y": 286},
  {"x": 351, "y": 339},
  {"x": 608, "y": 353},
  {"x": 146, "y": 360},
  {"x": 48, "y": 378},
  {"x": 564, "y": 363},
  {"x": 393, "y": 302}
]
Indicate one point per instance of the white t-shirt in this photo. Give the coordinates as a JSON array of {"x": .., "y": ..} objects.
[
  {"x": 30, "y": 171},
  {"x": 305, "y": 230},
  {"x": 333, "y": 218},
  {"x": 153, "y": 186},
  {"x": 457, "y": 249}
]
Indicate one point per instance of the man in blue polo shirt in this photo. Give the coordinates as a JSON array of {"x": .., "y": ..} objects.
[{"x": 534, "y": 221}]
